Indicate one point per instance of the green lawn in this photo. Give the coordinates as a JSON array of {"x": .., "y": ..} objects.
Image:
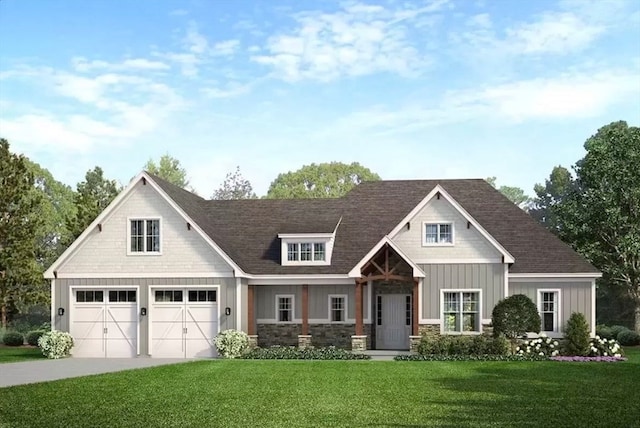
[
  {"x": 337, "y": 394},
  {"x": 13, "y": 354}
]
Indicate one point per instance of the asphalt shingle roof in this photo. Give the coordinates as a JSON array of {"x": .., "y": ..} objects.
[{"x": 247, "y": 230}]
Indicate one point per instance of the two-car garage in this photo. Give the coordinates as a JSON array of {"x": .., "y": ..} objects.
[{"x": 179, "y": 322}]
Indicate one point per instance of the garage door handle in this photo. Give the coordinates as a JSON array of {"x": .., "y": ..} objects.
[
  {"x": 184, "y": 330},
  {"x": 105, "y": 330}
]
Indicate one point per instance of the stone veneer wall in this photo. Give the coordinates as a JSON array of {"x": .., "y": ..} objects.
[
  {"x": 338, "y": 335},
  {"x": 322, "y": 335},
  {"x": 278, "y": 334},
  {"x": 429, "y": 329}
]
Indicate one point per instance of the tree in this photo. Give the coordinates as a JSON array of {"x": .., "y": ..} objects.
[
  {"x": 514, "y": 194},
  {"x": 168, "y": 168},
  {"x": 577, "y": 335},
  {"x": 514, "y": 316},
  {"x": 92, "y": 197},
  {"x": 19, "y": 222},
  {"x": 600, "y": 215},
  {"x": 325, "y": 180},
  {"x": 551, "y": 194},
  {"x": 235, "y": 186}
]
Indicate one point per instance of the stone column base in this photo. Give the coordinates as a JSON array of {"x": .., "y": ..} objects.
[
  {"x": 358, "y": 343},
  {"x": 414, "y": 343},
  {"x": 304, "y": 341},
  {"x": 253, "y": 341}
]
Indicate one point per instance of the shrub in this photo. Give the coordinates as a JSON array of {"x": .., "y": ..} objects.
[
  {"x": 601, "y": 347},
  {"x": 13, "y": 338},
  {"x": 616, "y": 330},
  {"x": 231, "y": 343},
  {"x": 463, "y": 345},
  {"x": 33, "y": 336},
  {"x": 543, "y": 346},
  {"x": 577, "y": 335},
  {"x": 604, "y": 331},
  {"x": 514, "y": 357},
  {"x": 515, "y": 316},
  {"x": 293, "y": 353},
  {"x": 55, "y": 344},
  {"x": 628, "y": 338}
]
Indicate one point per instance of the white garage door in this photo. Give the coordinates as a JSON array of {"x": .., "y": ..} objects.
[
  {"x": 104, "y": 323},
  {"x": 184, "y": 323}
]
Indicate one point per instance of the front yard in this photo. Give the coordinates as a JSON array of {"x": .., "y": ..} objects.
[
  {"x": 13, "y": 354},
  {"x": 337, "y": 394}
]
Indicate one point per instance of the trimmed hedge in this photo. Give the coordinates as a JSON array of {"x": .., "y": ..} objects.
[
  {"x": 604, "y": 332},
  {"x": 433, "y": 357},
  {"x": 514, "y": 316},
  {"x": 33, "y": 336},
  {"x": 293, "y": 353},
  {"x": 463, "y": 345},
  {"x": 616, "y": 330},
  {"x": 13, "y": 338},
  {"x": 628, "y": 338}
]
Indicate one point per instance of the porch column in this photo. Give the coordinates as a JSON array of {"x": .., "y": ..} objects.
[
  {"x": 359, "y": 329},
  {"x": 414, "y": 307},
  {"x": 251, "y": 319},
  {"x": 305, "y": 309}
]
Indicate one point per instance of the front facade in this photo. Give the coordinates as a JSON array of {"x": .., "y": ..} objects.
[{"x": 161, "y": 271}]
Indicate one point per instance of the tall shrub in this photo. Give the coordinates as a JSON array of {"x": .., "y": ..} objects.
[
  {"x": 577, "y": 335},
  {"x": 515, "y": 316}
]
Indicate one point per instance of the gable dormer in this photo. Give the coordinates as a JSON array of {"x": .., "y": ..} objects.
[{"x": 306, "y": 249}]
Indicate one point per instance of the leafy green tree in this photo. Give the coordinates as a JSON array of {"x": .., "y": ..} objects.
[
  {"x": 91, "y": 198},
  {"x": 549, "y": 195},
  {"x": 168, "y": 168},
  {"x": 600, "y": 215},
  {"x": 19, "y": 222},
  {"x": 514, "y": 194},
  {"x": 577, "y": 335},
  {"x": 325, "y": 180},
  {"x": 235, "y": 186},
  {"x": 515, "y": 316}
]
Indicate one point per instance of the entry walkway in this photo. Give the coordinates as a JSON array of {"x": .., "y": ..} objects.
[
  {"x": 384, "y": 355},
  {"x": 46, "y": 370}
]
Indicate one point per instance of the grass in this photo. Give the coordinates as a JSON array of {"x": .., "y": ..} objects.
[
  {"x": 248, "y": 393},
  {"x": 14, "y": 354}
]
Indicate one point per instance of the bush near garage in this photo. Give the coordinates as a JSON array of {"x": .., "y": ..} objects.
[
  {"x": 13, "y": 338},
  {"x": 33, "y": 336},
  {"x": 56, "y": 344}
]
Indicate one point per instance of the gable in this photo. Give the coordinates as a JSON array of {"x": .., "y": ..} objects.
[{"x": 104, "y": 249}]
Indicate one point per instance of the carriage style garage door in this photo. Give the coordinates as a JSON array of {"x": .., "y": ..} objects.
[
  {"x": 184, "y": 322},
  {"x": 104, "y": 323}
]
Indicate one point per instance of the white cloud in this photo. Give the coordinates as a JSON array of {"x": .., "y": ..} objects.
[
  {"x": 226, "y": 48},
  {"x": 83, "y": 65}
]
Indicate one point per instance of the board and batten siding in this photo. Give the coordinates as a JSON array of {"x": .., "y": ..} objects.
[
  {"x": 488, "y": 277},
  {"x": 468, "y": 242},
  {"x": 318, "y": 301},
  {"x": 182, "y": 250},
  {"x": 574, "y": 297},
  {"x": 226, "y": 298}
]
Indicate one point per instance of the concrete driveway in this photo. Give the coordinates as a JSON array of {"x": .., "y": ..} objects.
[{"x": 46, "y": 370}]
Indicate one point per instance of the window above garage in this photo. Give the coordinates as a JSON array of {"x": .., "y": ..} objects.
[
  {"x": 306, "y": 249},
  {"x": 144, "y": 236}
]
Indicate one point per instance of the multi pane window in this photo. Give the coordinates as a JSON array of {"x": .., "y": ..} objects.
[
  {"x": 549, "y": 310},
  {"x": 89, "y": 296},
  {"x": 145, "y": 236},
  {"x": 122, "y": 295},
  {"x": 438, "y": 233},
  {"x": 306, "y": 252},
  {"x": 202, "y": 295},
  {"x": 285, "y": 308},
  {"x": 337, "y": 308},
  {"x": 461, "y": 312},
  {"x": 168, "y": 296},
  {"x": 407, "y": 310}
]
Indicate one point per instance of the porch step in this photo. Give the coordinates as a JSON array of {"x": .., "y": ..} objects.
[{"x": 385, "y": 355}]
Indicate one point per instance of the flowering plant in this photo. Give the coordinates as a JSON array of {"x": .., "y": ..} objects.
[
  {"x": 231, "y": 343},
  {"x": 600, "y": 347},
  {"x": 543, "y": 346},
  {"x": 55, "y": 344},
  {"x": 589, "y": 359}
]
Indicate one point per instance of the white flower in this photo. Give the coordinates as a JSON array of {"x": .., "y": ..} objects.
[
  {"x": 606, "y": 354},
  {"x": 555, "y": 343},
  {"x": 617, "y": 355},
  {"x": 541, "y": 354},
  {"x": 548, "y": 340},
  {"x": 551, "y": 346},
  {"x": 543, "y": 335},
  {"x": 554, "y": 353},
  {"x": 517, "y": 348}
]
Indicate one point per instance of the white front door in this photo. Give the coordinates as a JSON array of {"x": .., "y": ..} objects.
[
  {"x": 393, "y": 321},
  {"x": 184, "y": 323},
  {"x": 104, "y": 323}
]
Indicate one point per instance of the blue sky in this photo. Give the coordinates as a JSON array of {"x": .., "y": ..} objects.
[{"x": 410, "y": 89}]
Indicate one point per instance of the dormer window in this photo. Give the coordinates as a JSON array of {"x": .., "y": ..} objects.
[{"x": 306, "y": 249}]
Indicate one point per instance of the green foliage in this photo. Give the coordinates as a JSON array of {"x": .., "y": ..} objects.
[
  {"x": 55, "y": 344},
  {"x": 463, "y": 345},
  {"x": 555, "y": 188},
  {"x": 325, "y": 180},
  {"x": 515, "y": 316},
  {"x": 601, "y": 347},
  {"x": 235, "y": 186},
  {"x": 13, "y": 338},
  {"x": 294, "y": 353},
  {"x": 473, "y": 357},
  {"x": 617, "y": 329},
  {"x": 231, "y": 343},
  {"x": 604, "y": 331},
  {"x": 168, "y": 168},
  {"x": 542, "y": 346},
  {"x": 33, "y": 336},
  {"x": 629, "y": 338},
  {"x": 576, "y": 335},
  {"x": 514, "y": 194}
]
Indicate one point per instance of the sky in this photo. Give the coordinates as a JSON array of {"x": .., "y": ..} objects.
[{"x": 410, "y": 89}]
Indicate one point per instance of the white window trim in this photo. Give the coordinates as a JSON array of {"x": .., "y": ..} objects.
[
  {"x": 293, "y": 308},
  {"x": 143, "y": 253},
  {"x": 558, "y": 327},
  {"x": 461, "y": 290},
  {"x": 345, "y": 308},
  {"x": 328, "y": 248},
  {"x": 438, "y": 244}
]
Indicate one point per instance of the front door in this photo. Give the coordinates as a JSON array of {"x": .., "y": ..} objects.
[{"x": 393, "y": 321}]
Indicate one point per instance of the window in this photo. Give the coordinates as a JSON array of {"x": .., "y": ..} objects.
[
  {"x": 548, "y": 305},
  {"x": 284, "y": 308},
  {"x": 461, "y": 311},
  {"x": 438, "y": 233},
  {"x": 306, "y": 252},
  {"x": 145, "y": 236},
  {"x": 122, "y": 295},
  {"x": 89, "y": 296},
  {"x": 202, "y": 295},
  {"x": 407, "y": 310},
  {"x": 379, "y": 310},
  {"x": 338, "y": 308},
  {"x": 168, "y": 295}
]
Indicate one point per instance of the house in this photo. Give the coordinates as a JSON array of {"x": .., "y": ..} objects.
[{"x": 161, "y": 271}]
